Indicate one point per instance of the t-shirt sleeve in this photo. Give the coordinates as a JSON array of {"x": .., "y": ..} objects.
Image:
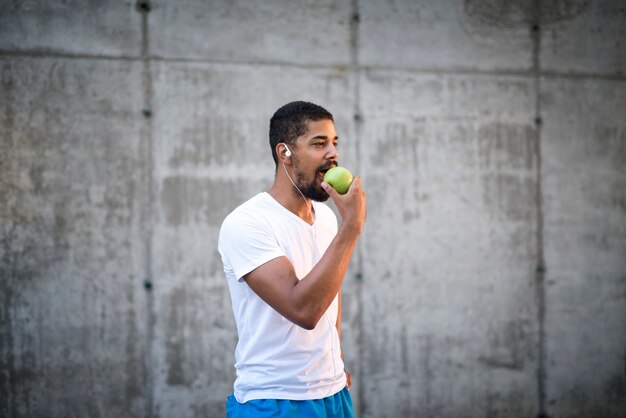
[{"x": 246, "y": 244}]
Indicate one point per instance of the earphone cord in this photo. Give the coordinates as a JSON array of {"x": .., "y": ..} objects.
[
  {"x": 309, "y": 205},
  {"x": 332, "y": 339}
]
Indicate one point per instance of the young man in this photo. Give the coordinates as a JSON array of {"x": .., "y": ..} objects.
[{"x": 285, "y": 259}]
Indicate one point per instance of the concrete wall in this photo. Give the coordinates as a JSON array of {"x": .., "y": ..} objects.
[{"x": 490, "y": 279}]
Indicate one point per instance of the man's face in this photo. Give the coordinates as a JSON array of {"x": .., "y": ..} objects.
[{"x": 314, "y": 154}]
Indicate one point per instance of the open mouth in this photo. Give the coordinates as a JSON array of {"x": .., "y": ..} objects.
[{"x": 323, "y": 171}]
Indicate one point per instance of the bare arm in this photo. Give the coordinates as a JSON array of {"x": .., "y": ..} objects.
[
  {"x": 338, "y": 325},
  {"x": 304, "y": 301}
]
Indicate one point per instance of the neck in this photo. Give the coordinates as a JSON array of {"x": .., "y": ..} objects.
[{"x": 285, "y": 191}]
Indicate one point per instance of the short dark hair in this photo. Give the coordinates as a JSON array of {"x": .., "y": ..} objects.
[{"x": 290, "y": 121}]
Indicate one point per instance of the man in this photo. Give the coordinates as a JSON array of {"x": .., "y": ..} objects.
[{"x": 285, "y": 259}]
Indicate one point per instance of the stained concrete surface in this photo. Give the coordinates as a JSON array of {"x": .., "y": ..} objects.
[{"x": 490, "y": 279}]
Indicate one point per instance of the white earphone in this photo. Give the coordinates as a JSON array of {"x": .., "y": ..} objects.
[{"x": 288, "y": 152}]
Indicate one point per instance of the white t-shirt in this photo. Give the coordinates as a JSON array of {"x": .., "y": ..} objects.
[{"x": 276, "y": 359}]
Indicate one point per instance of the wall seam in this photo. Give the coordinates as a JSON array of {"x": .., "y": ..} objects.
[
  {"x": 355, "y": 71},
  {"x": 540, "y": 269},
  {"x": 528, "y": 73},
  {"x": 147, "y": 152}
]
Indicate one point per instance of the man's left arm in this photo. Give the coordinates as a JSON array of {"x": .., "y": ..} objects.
[{"x": 338, "y": 325}]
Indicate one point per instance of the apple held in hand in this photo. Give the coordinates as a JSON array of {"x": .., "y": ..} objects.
[{"x": 340, "y": 178}]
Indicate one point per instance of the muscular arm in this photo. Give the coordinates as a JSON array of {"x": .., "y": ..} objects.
[{"x": 304, "y": 301}]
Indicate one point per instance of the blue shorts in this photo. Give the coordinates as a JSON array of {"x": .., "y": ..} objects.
[{"x": 338, "y": 405}]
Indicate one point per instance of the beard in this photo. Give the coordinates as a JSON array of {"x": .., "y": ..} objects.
[{"x": 310, "y": 189}]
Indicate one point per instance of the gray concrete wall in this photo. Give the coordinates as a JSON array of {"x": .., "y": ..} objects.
[{"x": 490, "y": 279}]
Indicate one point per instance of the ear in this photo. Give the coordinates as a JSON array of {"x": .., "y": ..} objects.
[{"x": 283, "y": 152}]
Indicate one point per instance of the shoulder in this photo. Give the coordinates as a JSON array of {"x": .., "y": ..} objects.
[
  {"x": 244, "y": 209},
  {"x": 250, "y": 213},
  {"x": 253, "y": 214}
]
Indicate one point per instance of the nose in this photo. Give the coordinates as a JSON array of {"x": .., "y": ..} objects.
[{"x": 332, "y": 153}]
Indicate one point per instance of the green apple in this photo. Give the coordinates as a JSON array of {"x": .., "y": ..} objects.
[{"x": 340, "y": 178}]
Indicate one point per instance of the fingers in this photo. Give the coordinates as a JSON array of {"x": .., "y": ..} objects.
[
  {"x": 348, "y": 379},
  {"x": 351, "y": 206},
  {"x": 356, "y": 184},
  {"x": 330, "y": 190}
]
